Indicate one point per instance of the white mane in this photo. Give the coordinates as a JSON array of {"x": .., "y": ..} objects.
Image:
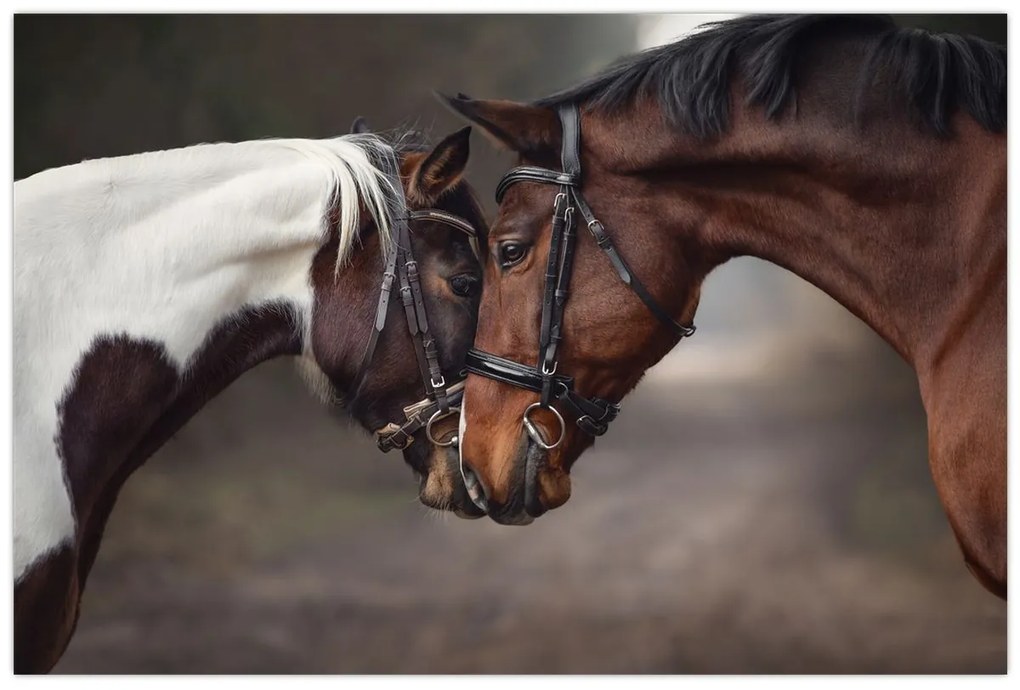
[
  {"x": 362, "y": 168},
  {"x": 162, "y": 247}
]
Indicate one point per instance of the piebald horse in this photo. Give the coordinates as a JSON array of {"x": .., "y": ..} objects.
[
  {"x": 146, "y": 284},
  {"x": 866, "y": 158}
]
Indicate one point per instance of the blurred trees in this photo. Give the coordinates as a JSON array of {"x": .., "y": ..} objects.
[{"x": 89, "y": 86}]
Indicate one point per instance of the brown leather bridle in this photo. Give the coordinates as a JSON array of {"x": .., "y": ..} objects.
[
  {"x": 441, "y": 399},
  {"x": 591, "y": 414}
]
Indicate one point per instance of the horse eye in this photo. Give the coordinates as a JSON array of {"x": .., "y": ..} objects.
[
  {"x": 464, "y": 285},
  {"x": 511, "y": 253}
]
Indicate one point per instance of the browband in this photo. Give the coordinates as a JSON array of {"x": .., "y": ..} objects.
[
  {"x": 438, "y": 216},
  {"x": 528, "y": 173}
]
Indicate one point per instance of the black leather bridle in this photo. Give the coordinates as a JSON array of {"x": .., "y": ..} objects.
[
  {"x": 592, "y": 415},
  {"x": 441, "y": 399}
]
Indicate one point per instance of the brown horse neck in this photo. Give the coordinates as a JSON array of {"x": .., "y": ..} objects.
[
  {"x": 902, "y": 238},
  {"x": 906, "y": 230},
  {"x": 902, "y": 235}
]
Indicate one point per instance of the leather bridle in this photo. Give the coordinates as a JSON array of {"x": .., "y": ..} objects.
[
  {"x": 441, "y": 399},
  {"x": 591, "y": 414}
]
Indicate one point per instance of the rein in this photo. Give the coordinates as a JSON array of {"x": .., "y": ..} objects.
[
  {"x": 591, "y": 414},
  {"x": 441, "y": 400}
]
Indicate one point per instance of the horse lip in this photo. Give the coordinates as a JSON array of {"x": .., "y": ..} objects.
[{"x": 465, "y": 515}]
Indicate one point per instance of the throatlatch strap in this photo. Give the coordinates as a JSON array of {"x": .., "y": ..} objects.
[
  {"x": 571, "y": 160},
  {"x": 606, "y": 244}
]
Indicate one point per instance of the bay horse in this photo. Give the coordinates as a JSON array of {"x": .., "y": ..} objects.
[
  {"x": 866, "y": 158},
  {"x": 146, "y": 284}
]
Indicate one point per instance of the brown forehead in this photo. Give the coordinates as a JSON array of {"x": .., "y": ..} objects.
[{"x": 525, "y": 211}]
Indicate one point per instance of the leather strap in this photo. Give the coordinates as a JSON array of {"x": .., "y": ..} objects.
[
  {"x": 399, "y": 437},
  {"x": 606, "y": 244},
  {"x": 570, "y": 151},
  {"x": 508, "y": 371},
  {"x": 528, "y": 173},
  {"x": 381, "y": 312},
  {"x": 564, "y": 274},
  {"x": 592, "y": 414},
  {"x": 435, "y": 215},
  {"x": 546, "y": 348},
  {"x": 402, "y": 267}
]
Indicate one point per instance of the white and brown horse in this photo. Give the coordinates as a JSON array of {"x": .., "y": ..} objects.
[{"x": 146, "y": 284}]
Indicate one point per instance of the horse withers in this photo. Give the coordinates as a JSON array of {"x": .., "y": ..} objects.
[{"x": 146, "y": 284}]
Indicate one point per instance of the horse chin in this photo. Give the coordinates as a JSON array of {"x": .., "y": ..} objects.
[{"x": 468, "y": 516}]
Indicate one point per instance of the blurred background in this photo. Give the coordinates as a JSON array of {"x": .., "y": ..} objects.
[{"x": 763, "y": 504}]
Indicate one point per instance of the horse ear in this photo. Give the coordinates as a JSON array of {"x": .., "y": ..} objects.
[
  {"x": 442, "y": 168},
  {"x": 360, "y": 126},
  {"x": 532, "y": 131}
]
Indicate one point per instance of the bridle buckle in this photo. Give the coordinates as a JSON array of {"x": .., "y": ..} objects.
[
  {"x": 386, "y": 438},
  {"x": 591, "y": 426},
  {"x": 598, "y": 231}
]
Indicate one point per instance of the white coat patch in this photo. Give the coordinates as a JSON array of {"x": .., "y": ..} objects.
[{"x": 162, "y": 246}]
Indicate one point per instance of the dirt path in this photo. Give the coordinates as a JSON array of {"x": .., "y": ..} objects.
[{"x": 722, "y": 546}]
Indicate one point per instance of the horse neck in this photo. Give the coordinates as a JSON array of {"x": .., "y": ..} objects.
[
  {"x": 96, "y": 475},
  {"x": 898, "y": 226},
  {"x": 143, "y": 290},
  {"x": 178, "y": 241}
]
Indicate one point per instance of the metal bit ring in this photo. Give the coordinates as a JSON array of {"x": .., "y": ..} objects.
[
  {"x": 436, "y": 416},
  {"x": 536, "y": 434}
]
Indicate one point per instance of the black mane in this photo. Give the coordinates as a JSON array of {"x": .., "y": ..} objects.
[{"x": 690, "y": 79}]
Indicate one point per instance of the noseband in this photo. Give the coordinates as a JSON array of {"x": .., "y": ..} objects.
[
  {"x": 592, "y": 415},
  {"x": 441, "y": 400}
]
